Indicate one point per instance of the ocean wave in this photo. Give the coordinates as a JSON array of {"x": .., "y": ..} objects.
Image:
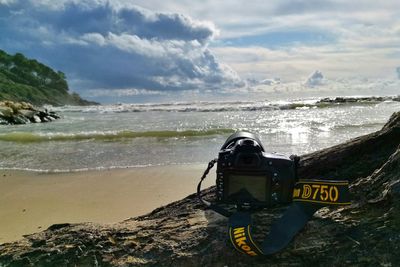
[
  {"x": 28, "y": 137},
  {"x": 101, "y": 168},
  {"x": 365, "y": 125},
  {"x": 227, "y": 106}
]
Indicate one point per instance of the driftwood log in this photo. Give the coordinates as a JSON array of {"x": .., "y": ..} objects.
[{"x": 367, "y": 233}]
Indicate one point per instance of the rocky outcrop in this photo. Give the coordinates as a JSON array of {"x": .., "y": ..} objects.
[
  {"x": 22, "y": 112},
  {"x": 370, "y": 99},
  {"x": 329, "y": 102},
  {"x": 367, "y": 233}
]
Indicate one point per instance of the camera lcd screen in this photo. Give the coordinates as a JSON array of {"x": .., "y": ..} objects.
[{"x": 255, "y": 185}]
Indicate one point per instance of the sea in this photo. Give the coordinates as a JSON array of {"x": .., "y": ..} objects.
[{"x": 137, "y": 135}]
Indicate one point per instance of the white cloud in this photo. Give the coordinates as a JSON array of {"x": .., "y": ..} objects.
[
  {"x": 121, "y": 92},
  {"x": 315, "y": 79},
  {"x": 93, "y": 37},
  {"x": 134, "y": 44},
  {"x": 295, "y": 63},
  {"x": 240, "y": 18},
  {"x": 7, "y": 2},
  {"x": 329, "y": 88},
  {"x": 363, "y": 36}
]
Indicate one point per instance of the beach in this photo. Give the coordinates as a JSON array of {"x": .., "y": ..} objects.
[
  {"x": 32, "y": 201},
  {"x": 88, "y": 165}
]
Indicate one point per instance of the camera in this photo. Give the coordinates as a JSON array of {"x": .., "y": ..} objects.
[{"x": 249, "y": 177}]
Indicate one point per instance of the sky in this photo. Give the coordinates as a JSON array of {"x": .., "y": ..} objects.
[{"x": 152, "y": 50}]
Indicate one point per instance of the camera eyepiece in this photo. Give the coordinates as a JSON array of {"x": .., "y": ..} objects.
[
  {"x": 241, "y": 135},
  {"x": 248, "y": 142}
]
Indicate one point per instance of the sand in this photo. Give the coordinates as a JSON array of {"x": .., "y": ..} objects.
[{"x": 32, "y": 201}]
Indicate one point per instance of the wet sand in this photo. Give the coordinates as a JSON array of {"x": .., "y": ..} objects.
[{"x": 32, "y": 201}]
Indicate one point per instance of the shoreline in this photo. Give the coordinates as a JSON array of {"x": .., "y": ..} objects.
[{"x": 31, "y": 201}]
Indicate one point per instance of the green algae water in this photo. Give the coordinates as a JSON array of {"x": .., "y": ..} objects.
[
  {"x": 127, "y": 135},
  {"x": 24, "y": 137}
]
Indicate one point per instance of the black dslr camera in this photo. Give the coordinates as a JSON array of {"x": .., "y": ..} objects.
[{"x": 249, "y": 177}]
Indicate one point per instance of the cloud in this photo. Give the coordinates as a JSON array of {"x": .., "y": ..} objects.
[
  {"x": 251, "y": 82},
  {"x": 6, "y": 2},
  {"x": 398, "y": 72},
  {"x": 316, "y": 78},
  {"x": 123, "y": 92},
  {"x": 118, "y": 45},
  {"x": 289, "y": 39},
  {"x": 239, "y": 20},
  {"x": 328, "y": 88},
  {"x": 295, "y": 63},
  {"x": 100, "y": 45}
]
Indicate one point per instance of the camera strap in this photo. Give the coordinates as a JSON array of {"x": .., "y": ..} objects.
[
  {"x": 216, "y": 208},
  {"x": 308, "y": 197},
  {"x": 281, "y": 233}
]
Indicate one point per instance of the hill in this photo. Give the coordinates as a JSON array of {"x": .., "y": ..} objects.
[{"x": 23, "y": 79}]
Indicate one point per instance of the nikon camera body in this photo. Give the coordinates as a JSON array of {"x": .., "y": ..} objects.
[{"x": 249, "y": 177}]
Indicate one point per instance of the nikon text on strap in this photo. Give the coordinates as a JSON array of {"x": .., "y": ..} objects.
[{"x": 308, "y": 197}]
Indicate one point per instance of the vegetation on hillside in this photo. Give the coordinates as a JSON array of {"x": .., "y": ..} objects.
[{"x": 23, "y": 79}]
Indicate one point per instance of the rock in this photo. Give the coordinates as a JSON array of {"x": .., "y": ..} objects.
[
  {"x": 27, "y": 113},
  {"x": 6, "y": 111},
  {"x": 20, "y": 119},
  {"x": 27, "y": 106},
  {"x": 58, "y": 226},
  {"x": 184, "y": 234},
  {"x": 21, "y": 113},
  {"x": 53, "y": 115},
  {"x": 45, "y": 119},
  {"x": 36, "y": 118},
  {"x": 393, "y": 121},
  {"x": 13, "y": 105},
  {"x": 372, "y": 99}
]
